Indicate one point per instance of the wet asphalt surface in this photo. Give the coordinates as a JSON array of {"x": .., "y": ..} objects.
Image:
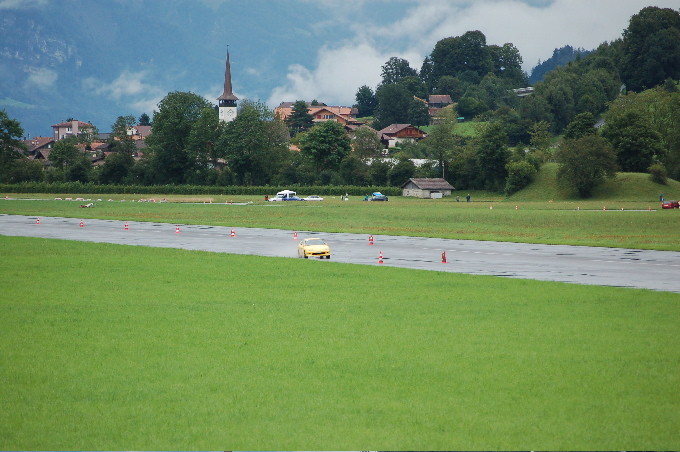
[{"x": 619, "y": 267}]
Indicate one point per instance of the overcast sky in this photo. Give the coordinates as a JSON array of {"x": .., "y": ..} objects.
[
  {"x": 281, "y": 50},
  {"x": 535, "y": 27}
]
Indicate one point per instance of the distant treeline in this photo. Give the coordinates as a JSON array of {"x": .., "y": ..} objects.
[{"x": 94, "y": 189}]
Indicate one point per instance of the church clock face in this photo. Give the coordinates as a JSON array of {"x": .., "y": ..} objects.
[{"x": 227, "y": 113}]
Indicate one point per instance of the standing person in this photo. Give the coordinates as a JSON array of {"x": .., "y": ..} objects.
[
  {"x": 467, "y": 198},
  {"x": 661, "y": 197}
]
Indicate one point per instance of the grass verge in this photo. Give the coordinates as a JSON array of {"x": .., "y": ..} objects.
[
  {"x": 117, "y": 347},
  {"x": 565, "y": 222}
]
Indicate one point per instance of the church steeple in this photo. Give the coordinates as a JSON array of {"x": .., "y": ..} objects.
[{"x": 227, "y": 101}]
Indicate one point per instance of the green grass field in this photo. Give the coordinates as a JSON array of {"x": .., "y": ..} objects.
[
  {"x": 117, "y": 347},
  {"x": 557, "y": 222}
]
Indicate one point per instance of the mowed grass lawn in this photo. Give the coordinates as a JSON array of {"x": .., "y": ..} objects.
[{"x": 119, "y": 347}]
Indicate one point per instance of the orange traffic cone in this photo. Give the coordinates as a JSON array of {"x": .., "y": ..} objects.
[
  {"x": 126, "y": 226},
  {"x": 177, "y": 229},
  {"x": 380, "y": 258},
  {"x": 295, "y": 235},
  {"x": 444, "y": 257},
  {"x": 233, "y": 233},
  {"x": 370, "y": 240},
  {"x": 37, "y": 220},
  {"x": 82, "y": 224}
]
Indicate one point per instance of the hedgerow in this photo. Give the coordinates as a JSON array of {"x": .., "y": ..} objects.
[{"x": 91, "y": 188}]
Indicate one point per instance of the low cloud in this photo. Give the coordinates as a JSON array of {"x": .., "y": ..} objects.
[
  {"x": 130, "y": 89},
  {"x": 42, "y": 78},
  {"x": 535, "y": 27},
  {"x": 22, "y": 4},
  {"x": 338, "y": 74}
]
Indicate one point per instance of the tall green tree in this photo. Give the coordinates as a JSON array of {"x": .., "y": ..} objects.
[
  {"x": 661, "y": 110},
  {"x": 120, "y": 135},
  {"x": 168, "y": 142},
  {"x": 326, "y": 145},
  {"x": 65, "y": 153},
  {"x": 651, "y": 48},
  {"x": 440, "y": 141},
  {"x": 636, "y": 143},
  {"x": 418, "y": 113},
  {"x": 585, "y": 163},
  {"x": 456, "y": 55},
  {"x": 393, "y": 104},
  {"x": 144, "y": 120},
  {"x": 202, "y": 150},
  {"x": 253, "y": 144},
  {"x": 117, "y": 166},
  {"x": 583, "y": 124},
  {"x": 366, "y": 101},
  {"x": 507, "y": 63},
  {"x": 299, "y": 120},
  {"x": 11, "y": 146},
  {"x": 452, "y": 86},
  {"x": 493, "y": 156},
  {"x": 395, "y": 69},
  {"x": 366, "y": 143}
]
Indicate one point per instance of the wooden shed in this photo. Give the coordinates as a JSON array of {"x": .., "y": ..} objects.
[{"x": 427, "y": 188}]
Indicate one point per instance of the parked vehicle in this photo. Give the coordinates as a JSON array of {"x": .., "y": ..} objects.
[
  {"x": 312, "y": 198},
  {"x": 670, "y": 205},
  {"x": 377, "y": 196},
  {"x": 314, "y": 247},
  {"x": 286, "y": 195}
]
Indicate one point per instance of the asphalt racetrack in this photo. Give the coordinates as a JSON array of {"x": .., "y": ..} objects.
[{"x": 655, "y": 270}]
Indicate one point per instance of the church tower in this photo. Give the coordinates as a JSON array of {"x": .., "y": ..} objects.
[{"x": 227, "y": 101}]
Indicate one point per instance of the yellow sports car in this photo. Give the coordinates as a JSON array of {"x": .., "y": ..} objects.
[{"x": 315, "y": 248}]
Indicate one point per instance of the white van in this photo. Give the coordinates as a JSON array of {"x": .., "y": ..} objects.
[{"x": 285, "y": 195}]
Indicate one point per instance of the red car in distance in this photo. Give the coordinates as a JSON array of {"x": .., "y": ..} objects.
[{"x": 670, "y": 205}]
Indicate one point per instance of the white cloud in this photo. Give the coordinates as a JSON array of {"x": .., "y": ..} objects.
[
  {"x": 42, "y": 78},
  {"x": 130, "y": 89},
  {"x": 535, "y": 27},
  {"x": 338, "y": 74},
  {"x": 21, "y": 4}
]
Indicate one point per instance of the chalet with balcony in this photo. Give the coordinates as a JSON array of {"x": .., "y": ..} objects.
[
  {"x": 394, "y": 134},
  {"x": 320, "y": 113}
]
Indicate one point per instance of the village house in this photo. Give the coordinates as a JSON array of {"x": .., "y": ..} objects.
[
  {"x": 70, "y": 128},
  {"x": 427, "y": 188},
  {"x": 394, "y": 134},
  {"x": 320, "y": 113},
  {"x": 37, "y": 144}
]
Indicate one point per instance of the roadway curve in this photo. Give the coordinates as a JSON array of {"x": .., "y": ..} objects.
[{"x": 644, "y": 269}]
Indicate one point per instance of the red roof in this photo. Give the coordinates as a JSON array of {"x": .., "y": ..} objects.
[{"x": 81, "y": 124}]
